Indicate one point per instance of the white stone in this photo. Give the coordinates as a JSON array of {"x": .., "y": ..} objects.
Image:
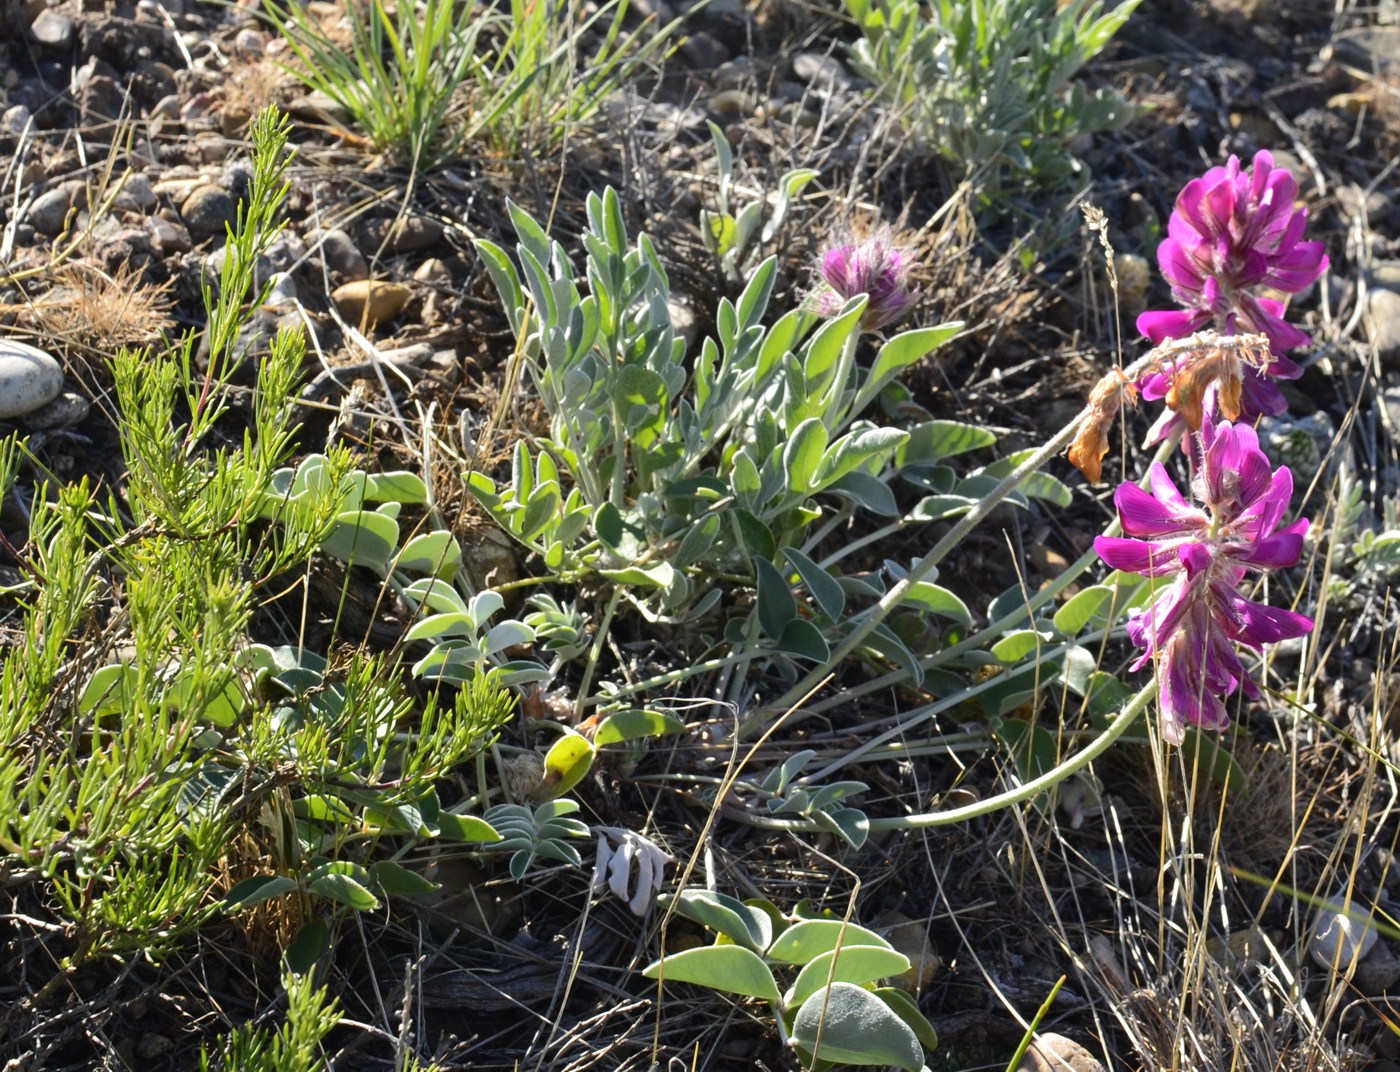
[
  {"x": 29, "y": 378},
  {"x": 1342, "y": 937}
]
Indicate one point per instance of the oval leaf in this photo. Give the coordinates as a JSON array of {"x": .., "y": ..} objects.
[
  {"x": 856, "y": 1027},
  {"x": 566, "y": 762},
  {"x": 854, "y": 964},
  {"x": 810, "y": 938},
  {"x": 730, "y": 968}
]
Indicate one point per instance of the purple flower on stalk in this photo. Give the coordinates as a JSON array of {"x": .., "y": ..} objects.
[
  {"x": 1196, "y": 621},
  {"x": 874, "y": 267},
  {"x": 1234, "y": 235}
]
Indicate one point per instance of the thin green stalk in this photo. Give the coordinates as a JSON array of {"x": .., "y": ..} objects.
[{"x": 1026, "y": 791}]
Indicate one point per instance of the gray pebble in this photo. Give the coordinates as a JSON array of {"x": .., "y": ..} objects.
[
  {"x": 412, "y": 234},
  {"x": 734, "y": 74},
  {"x": 819, "y": 69},
  {"x": 342, "y": 258},
  {"x": 1342, "y": 936},
  {"x": 1382, "y": 324},
  {"x": 64, "y": 411},
  {"x": 1378, "y": 971},
  {"x": 137, "y": 194},
  {"x": 207, "y": 211},
  {"x": 703, "y": 51},
  {"x": 50, "y": 209},
  {"x": 14, "y": 119},
  {"x": 29, "y": 378},
  {"x": 1056, "y": 1053},
  {"x": 170, "y": 237},
  {"x": 53, "y": 30}
]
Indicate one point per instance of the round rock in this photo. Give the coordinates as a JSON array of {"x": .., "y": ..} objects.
[
  {"x": 207, "y": 210},
  {"x": 1342, "y": 937},
  {"x": 1056, "y": 1053},
  {"x": 29, "y": 378}
]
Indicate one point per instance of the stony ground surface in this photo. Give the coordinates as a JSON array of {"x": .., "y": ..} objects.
[{"x": 122, "y": 160}]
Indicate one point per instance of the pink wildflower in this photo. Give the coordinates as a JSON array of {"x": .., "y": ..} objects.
[
  {"x": 1195, "y": 623},
  {"x": 874, "y": 267},
  {"x": 1234, "y": 235}
]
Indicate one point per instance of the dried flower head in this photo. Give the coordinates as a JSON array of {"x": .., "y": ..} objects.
[
  {"x": 1108, "y": 397},
  {"x": 873, "y": 266},
  {"x": 1194, "y": 624}
]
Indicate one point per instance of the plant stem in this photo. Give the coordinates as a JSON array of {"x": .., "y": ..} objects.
[{"x": 1100, "y": 744}]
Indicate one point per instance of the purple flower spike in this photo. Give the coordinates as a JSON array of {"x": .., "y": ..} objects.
[
  {"x": 1233, "y": 234},
  {"x": 1195, "y": 623},
  {"x": 873, "y": 267},
  {"x": 1234, "y": 237}
]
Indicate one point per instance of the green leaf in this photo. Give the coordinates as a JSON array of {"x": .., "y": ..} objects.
[
  {"x": 810, "y": 938},
  {"x": 803, "y": 639},
  {"x": 747, "y": 926},
  {"x": 459, "y": 623},
  {"x": 400, "y": 486},
  {"x": 1081, "y": 608},
  {"x": 465, "y": 828},
  {"x": 255, "y": 890},
  {"x": 607, "y": 523},
  {"x": 933, "y": 441},
  {"x": 854, "y": 964},
  {"x": 868, "y": 491},
  {"x": 803, "y": 454},
  {"x": 657, "y": 576},
  {"x": 437, "y": 594},
  {"x": 364, "y": 538},
  {"x": 856, "y": 1027},
  {"x": 566, "y": 762},
  {"x": 899, "y": 353},
  {"x": 435, "y": 553},
  {"x": 855, "y": 449},
  {"x": 394, "y": 879},
  {"x": 937, "y": 600},
  {"x": 1015, "y": 646},
  {"x": 1200, "y": 751},
  {"x": 730, "y": 968},
  {"x": 631, "y": 725},
  {"x": 1034, "y": 749},
  {"x": 110, "y": 691},
  {"x": 308, "y": 947},
  {"x": 776, "y": 605},
  {"x": 907, "y": 1009},
  {"x": 539, "y": 513},
  {"x": 344, "y": 883},
  {"x": 824, "y": 588}
]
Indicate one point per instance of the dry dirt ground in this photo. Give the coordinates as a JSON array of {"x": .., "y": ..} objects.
[{"x": 511, "y": 976}]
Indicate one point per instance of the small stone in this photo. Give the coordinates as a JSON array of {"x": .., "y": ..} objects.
[
  {"x": 153, "y": 1045},
  {"x": 14, "y": 119},
  {"x": 703, "y": 51},
  {"x": 53, "y": 29},
  {"x": 170, "y": 237},
  {"x": 683, "y": 320},
  {"x": 340, "y": 254},
  {"x": 1240, "y": 949},
  {"x": 201, "y": 104},
  {"x": 208, "y": 210},
  {"x": 29, "y": 378},
  {"x": 64, "y": 411},
  {"x": 734, "y": 74},
  {"x": 412, "y": 234},
  {"x": 168, "y": 107},
  {"x": 1056, "y": 1053},
  {"x": 282, "y": 291},
  {"x": 234, "y": 118},
  {"x": 819, "y": 70},
  {"x": 284, "y": 254},
  {"x": 137, "y": 194},
  {"x": 732, "y": 102},
  {"x": 100, "y": 98},
  {"x": 249, "y": 43},
  {"x": 367, "y": 301},
  {"x": 50, "y": 210},
  {"x": 1343, "y": 936},
  {"x": 1378, "y": 971},
  {"x": 1382, "y": 322},
  {"x": 316, "y": 107},
  {"x": 910, "y": 937},
  {"x": 433, "y": 272}
]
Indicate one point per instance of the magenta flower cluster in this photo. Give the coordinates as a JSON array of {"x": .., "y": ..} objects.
[
  {"x": 1209, "y": 549},
  {"x": 873, "y": 266},
  {"x": 1235, "y": 239}
]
